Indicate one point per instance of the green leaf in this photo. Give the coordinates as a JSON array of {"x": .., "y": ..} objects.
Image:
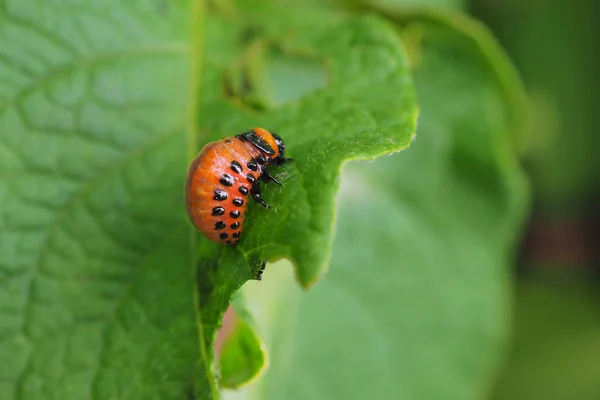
[
  {"x": 367, "y": 109},
  {"x": 415, "y": 304},
  {"x": 95, "y": 260},
  {"x": 243, "y": 355},
  {"x": 93, "y": 144},
  {"x": 485, "y": 49}
]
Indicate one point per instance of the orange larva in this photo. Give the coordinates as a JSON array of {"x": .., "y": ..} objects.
[{"x": 224, "y": 175}]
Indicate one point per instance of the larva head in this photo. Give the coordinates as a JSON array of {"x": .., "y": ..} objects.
[
  {"x": 280, "y": 146},
  {"x": 270, "y": 144}
]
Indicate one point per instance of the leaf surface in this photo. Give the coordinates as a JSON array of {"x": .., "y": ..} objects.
[
  {"x": 94, "y": 106},
  {"x": 418, "y": 288},
  {"x": 96, "y": 299},
  {"x": 243, "y": 356},
  {"x": 366, "y": 109}
]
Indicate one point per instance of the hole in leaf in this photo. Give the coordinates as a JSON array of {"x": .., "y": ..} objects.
[
  {"x": 290, "y": 77},
  {"x": 268, "y": 77}
]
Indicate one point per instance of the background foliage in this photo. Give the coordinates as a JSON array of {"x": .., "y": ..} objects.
[
  {"x": 392, "y": 274},
  {"x": 556, "y": 338}
]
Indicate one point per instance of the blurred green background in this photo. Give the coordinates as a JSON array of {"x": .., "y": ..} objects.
[{"x": 555, "y": 352}]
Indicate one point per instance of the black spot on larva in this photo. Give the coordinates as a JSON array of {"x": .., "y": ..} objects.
[
  {"x": 243, "y": 190},
  {"x": 220, "y": 225},
  {"x": 234, "y": 214},
  {"x": 252, "y": 164},
  {"x": 227, "y": 140},
  {"x": 229, "y": 241},
  {"x": 236, "y": 234},
  {"x": 223, "y": 236},
  {"x": 238, "y": 202},
  {"x": 226, "y": 180},
  {"x": 220, "y": 195},
  {"x": 236, "y": 167},
  {"x": 250, "y": 178},
  {"x": 235, "y": 225},
  {"x": 261, "y": 160},
  {"x": 218, "y": 211}
]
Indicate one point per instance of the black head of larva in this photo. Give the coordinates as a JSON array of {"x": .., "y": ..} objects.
[
  {"x": 280, "y": 159},
  {"x": 280, "y": 144}
]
